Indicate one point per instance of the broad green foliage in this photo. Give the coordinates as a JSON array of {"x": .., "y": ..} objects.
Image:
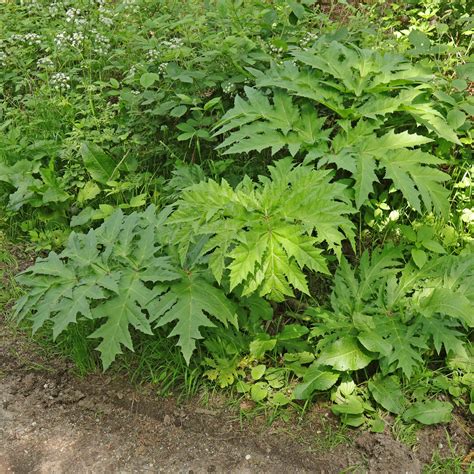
[
  {"x": 264, "y": 234},
  {"x": 366, "y": 152},
  {"x": 345, "y": 268},
  {"x": 119, "y": 276},
  {"x": 362, "y": 153},
  {"x": 359, "y": 83},
  {"x": 282, "y": 124},
  {"x": 395, "y": 315}
]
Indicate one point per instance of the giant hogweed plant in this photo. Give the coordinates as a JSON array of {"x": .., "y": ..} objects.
[
  {"x": 120, "y": 276},
  {"x": 264, "y": 234},
  {"x": 399, "y": 316},
  {"x": 358, "y": 110},
  {"x": 259, "y": 236}
]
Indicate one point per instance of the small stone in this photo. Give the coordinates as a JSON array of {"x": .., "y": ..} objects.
[{"x": 247, "y": 457}]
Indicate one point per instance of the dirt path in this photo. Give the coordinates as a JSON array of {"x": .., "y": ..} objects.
[{"x": 53, "y": 422}]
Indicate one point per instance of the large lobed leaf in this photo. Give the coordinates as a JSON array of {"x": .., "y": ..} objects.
[
  {"x": 264, "y": 234},
  {"x": 118, "y": 276}
]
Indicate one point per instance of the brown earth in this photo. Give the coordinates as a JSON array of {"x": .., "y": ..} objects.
[{"x": 52, "y": 421}]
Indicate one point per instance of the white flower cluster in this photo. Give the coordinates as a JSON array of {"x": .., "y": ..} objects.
[
  {"x": 275, "y": 49},
  {"x": 467, "y": 215},
  {"x": 307, "y": 39},
  {"x": 45, "y": 63},
  {"x": 76, "y": 39},
  {"x": 28, "y": 38},
  {"x": 228, "y": 88},
  {"x": 63, "y": 39},
  {"x": 54, "y": 8},
  {"x": 100, "y": 43},
  {"x": 74, "y": 15},
  {"x": 152, "y": 55},
  {"x": 173, "y": 43},
  {"x": 3, "y": 58},
  {"x": 60, "y": 81},
  {"x": 104, "y": 16},
  {"x": 131, "y": 5},
  {"x": 162, "y": 68},
  {"x": 132, "y": 71},
  {"x": 464, "y": 183}
]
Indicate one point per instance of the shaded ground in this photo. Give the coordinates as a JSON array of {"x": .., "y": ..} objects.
[{"x": 51, "y": 421}]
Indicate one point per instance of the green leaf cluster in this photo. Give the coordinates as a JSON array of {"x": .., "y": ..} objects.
[
  {"x": 120, "y": 277},
  {"x": 396, "y": 315},
  {"x": 376, "y": 103},
  {"x": 264, "y": 234}
]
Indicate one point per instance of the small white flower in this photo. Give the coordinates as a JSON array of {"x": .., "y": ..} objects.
[
  {"x": 308, "y": 38},
  {"x": 32, "y": 38},
  {"x": 54, "y": 8},
  {"x": 275, "y": 49},
  {"x": 394, "y": 216},
  {"x": 72, "y": 14},
  {"x": 100, "y": 43},
  {"x": 3, "y": 58},
  {"x": 162, "y": 68},
  {"x": 131, "y": 6},
  {"x": 61, "y": 39},
  {"x": 464, "y": 183},
  {"x": 132, "y": 71},
  {"x": 76, "y": 39},
  {"x": 28, "y": 38},
  {"x": 173, "y": 43},
  {"x": 228, "y": 88},
  {"x": 152, "y": 55},
  {"x": 60, "y": 81},
  {"x": 107, "y": 21},
  {"x": 467, "y": 215}
]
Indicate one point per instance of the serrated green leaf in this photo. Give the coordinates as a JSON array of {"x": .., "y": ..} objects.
[
  {"x": 373, "y": 342},
  {"x": 315, "y": 379},
  {"x": 121, "y": 311},
  {"x": 193, "y": 298},
  {"x": 292, "y": 331},
  {"x": 364, "y": 177},
  {"x": 263, "y": 344}
]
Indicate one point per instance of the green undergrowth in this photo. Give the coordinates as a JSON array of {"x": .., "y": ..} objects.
[{"x": 250, "y": 196}]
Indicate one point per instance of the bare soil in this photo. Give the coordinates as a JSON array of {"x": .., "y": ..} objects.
[{"x": 52, "y": 421}]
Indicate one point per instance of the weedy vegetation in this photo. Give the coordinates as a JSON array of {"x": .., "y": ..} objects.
[{"x": 272, "y": 197}]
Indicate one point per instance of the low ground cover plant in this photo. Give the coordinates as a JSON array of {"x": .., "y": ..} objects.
[{"x": 285, "y": 197}]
